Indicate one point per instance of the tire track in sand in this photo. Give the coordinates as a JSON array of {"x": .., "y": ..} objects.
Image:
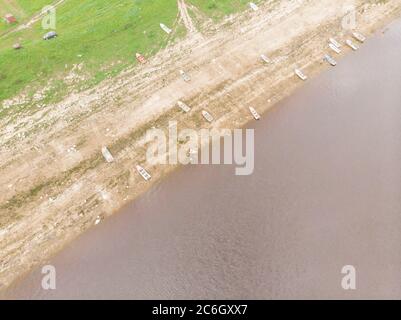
[{"x": 185, "y": 16}]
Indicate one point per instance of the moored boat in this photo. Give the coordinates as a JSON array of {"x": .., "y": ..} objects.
[
  {"x": 207, "y": 116},
  {"x": 330, "y": 60},
  {"x": 140, "y": 58},
  {"x": 185, "y": 76},
  {"x": 107, "y": 155},
  {"x": 253, "y": 6},
  {"x": 335, "y": 48},
  {"x": 165, "y": 28},
  {"x": 335, "y": 42},
  {"x": 254, "y": 113},
  {"x": 359, "y": 37},
  {"x": 352, "y": 45},
  {"x": 264, "y": 58},
  {"x": 183, "y": 106}
]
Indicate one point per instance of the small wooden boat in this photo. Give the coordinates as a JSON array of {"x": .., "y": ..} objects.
[
  {"x": 17, "y": 46},
  {"x": 183, "y": 106},
  {"x": 98, "y": 220},
  {"x": 351, "y": 45},
  {"x": 165, "y": 28},
  {"x": 330, "y": 60},
  {"x": 185, "y": 76},
  {"x": 145, "y": 175},
  {"x": 107, "y": 155},
  {"x": 335, "y": 48},
  {"x": 264, "y": 58},
  {"x": 359, "y": 37},
  {"x": 253, "y": 6},
  {"x": 335, "y": 42},
  {"x": 140, "y": 58},
  {"x": 254, "y": 113},
  {"x": 207, "y": 116},
  {"x": 301, "y": 75}
]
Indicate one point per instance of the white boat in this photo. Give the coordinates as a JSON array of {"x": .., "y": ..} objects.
[
  {"x": 352, "y": 45},
  {"x": 254, "y": 113},
  {"x": 207, "y": 116},
  {"x": 107, "y": 155},
  {"x": 165, "y": 28},
  {"x": 185, "y": 76},
  {"x": 253, "y": 6},
  {"x": 359, "y": 37},
  {"x": 334, "y": 48},
  {"x": 301, "y": 75},
  {"x": 335, "y": 43},
  {"x": 330, "y": 60},
  {"x": 145, "y": 175},
  {"x": 183, "y": 106},
  {"x": 264, "y": 58}
]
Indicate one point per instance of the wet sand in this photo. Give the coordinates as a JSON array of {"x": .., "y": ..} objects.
[{"x": 326, "y": 192}]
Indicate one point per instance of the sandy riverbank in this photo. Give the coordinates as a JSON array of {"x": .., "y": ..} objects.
[{"x": 57, "y": 195}]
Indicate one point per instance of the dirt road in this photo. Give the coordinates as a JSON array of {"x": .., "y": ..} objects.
[
  {"x": 32, "y": 21},
  {"x": 55, "y": 180}
]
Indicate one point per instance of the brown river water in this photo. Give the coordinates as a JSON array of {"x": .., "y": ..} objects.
[{"x": 326, "y": 192}]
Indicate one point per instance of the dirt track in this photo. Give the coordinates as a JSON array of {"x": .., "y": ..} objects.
[{"x": 56, "y": 195}]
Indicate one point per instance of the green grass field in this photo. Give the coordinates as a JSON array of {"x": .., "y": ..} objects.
[{"x": 101, "y": 34}]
